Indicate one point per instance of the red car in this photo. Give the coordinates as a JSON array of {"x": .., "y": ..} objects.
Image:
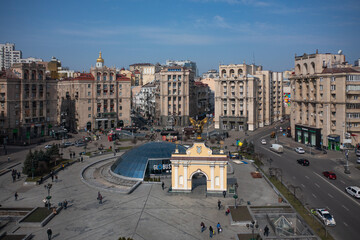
[{"x": 329, "y": 175}]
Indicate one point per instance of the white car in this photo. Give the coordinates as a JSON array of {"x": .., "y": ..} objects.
[
  {"x": 48, "y": 146},
  {"x": 300, "y": 150},
  {"x": 353, "y": 191},
  {"x": 325, "y": 216},
  {"x": 263, "y": 141}
]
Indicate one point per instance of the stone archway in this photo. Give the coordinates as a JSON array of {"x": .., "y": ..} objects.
[{"x": 198, "y": 179}]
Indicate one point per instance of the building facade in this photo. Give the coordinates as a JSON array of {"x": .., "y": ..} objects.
[
  {"x": 183, "y": 63},
  {"x": 28, "y": 103},
  {"x": 97, "y": 100},
  {"x": 176, "y": 92},
  {"x": 325, "y": 109},
  {"x": 247, "y": 97},
  {"x": 145, "y": 100},
  {"x": 147, "y": 72},
  {"x": 8, "y": 55}
]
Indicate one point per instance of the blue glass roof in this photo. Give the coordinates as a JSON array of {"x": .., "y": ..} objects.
[{"x": 133, "y": 162}]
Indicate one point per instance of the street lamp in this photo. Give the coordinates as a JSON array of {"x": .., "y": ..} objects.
[
  {"x": 253, "y": 225},
  {"x": 347, "y": 170},
  {"x": 48, "y": 187}
]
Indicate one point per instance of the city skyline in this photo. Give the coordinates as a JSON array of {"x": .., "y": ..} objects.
[{"x": 209, "y": 32}]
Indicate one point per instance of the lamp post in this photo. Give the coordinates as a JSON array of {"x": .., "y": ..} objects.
[
  {"x": 253, "y": 225},
  {"x": 48, "y": 187},
  {"x": 347, "y": 170}
]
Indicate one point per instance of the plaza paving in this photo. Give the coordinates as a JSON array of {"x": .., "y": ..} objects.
[{"x": 147, "y": 213}]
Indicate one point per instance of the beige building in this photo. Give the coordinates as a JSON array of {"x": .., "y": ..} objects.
[
  {"x": 28, "y": 103},
  {"x": 325, "y": 109},
  {"x": 97, "y": 100},
  {"x": 247, "y": 97},
  {"x": 176, "y": 92},
  {"x": 146, "y": 72},
  {"x": 199, "y": 160}
]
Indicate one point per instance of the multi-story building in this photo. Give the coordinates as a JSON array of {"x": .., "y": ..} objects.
[
  {"x": 247, "y": 97},
  {"x": 212, "y": 73},
  {"x": 176, "y": 92},
  {"x": 30, "y": 60},
  {"x": 204, "y": 98},
  {"x": 145, "y": 100},
  {"x": 147, "y": 72},
  {"x": 287, "y": 92},
  {"x": 97, "y": 100},
  {"x": 8, "y": 55},
  {"x": 183, "y": 63},
  {"x": 28, "y": 103},
  {"x": 325, "y": 109}
]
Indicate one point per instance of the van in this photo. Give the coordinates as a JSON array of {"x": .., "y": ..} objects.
[{"x": 353, "y": 191}]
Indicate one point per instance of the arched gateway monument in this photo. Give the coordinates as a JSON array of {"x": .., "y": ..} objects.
[{"x": 199, "y": 159}]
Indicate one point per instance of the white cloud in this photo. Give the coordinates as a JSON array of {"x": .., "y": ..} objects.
[{"x": 220, "y": 22}]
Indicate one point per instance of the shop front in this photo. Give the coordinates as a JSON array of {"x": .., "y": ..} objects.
[
  {"x": 333, "y": 142},
  {"x": 308, "y": 135}
]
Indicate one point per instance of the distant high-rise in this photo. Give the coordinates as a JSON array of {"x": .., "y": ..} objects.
[
  {"x": 183, "y": 63},
  {"x": 8, "y": 55}
]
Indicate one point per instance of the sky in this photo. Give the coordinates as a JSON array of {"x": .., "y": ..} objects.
[{"x": 209, "y": 32}]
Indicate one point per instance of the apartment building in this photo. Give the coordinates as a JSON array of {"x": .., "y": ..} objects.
[
  {"x": 247, "y": 97},
  {"x": 177, "y": 96},
  {"x": 100, "y": 99},
  {"x": 28, "y": 103},
  {"x": 144, "y": 101},
  {"x": 147, "y": 72},
  {"x": 183, "y": 63},
  {"x": 325, "y": 109},
  {"x": 8, "y": 55}
]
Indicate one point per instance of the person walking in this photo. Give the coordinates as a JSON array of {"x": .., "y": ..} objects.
[
  {"x": 266, "y": 231},
  {"x": 18, "y": 175},
  {"x": 16, "y": 196},
  {"x": 219, "y": 204},
  {"x": 8, "y": 159},
  {"x": 49, "y": 233},
  {"x": 202, "y": 224},
  {"x": 163, "y": 185},
  {"x": 100, "y": 199},
  {"x": 224, "y": 194},
  {"x": 219, "y": 229},
  {"x": 211, "y": 231},
  {"x": 65, "y": 204}
]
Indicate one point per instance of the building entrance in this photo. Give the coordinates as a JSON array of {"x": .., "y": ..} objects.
[{"x": 198, "y": 182}]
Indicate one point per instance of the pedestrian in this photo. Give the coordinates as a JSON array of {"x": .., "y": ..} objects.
[
  {"x": 65, "y": 204},
  {"x": 227, "y": 211},
  {"x": 52, "y": 176},
  {"x": 18, "y": 175},
  {"x": 8, "y": 159},
  {"x": 219, "y": 204},
  {"x": 16, "y": 196},
  {"x": 163, "y": 185},
  {"x": 49, "y": 233},
  {"x": 224, "y": 193},
  {"x": 14, "y": 176},
  {"x": 219, "y": 229},
  {"x": 266, "y": 231},
  {"x": 100, "y": 198},
  {"x": 211, "y": 231},
  {"x": 202, "y": 224},
  {"x": 56, "y": 178}
]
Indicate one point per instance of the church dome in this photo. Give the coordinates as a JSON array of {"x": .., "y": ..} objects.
[{"x": 100, "y": 59}]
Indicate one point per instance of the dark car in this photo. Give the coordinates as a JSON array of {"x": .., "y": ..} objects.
[
  {"x": 329, "y": 175},
  {"x": 303, "y": 162},
  {"x": 144, "y": 129}
]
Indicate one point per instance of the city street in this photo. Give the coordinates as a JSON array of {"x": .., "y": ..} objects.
[{"x": 312, "y": 188}]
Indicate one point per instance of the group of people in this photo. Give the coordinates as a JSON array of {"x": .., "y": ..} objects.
[
  {"x": 211, "y": 230},
  {"x": 15, "y": 173}
]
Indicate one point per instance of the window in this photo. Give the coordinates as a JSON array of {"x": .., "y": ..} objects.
[
  {"x": 89, "y": 93},
  {"x": 89, "y": 85},
  {"x": 120, "y": 86},
  {"x": 89, "y": 108},
  {"x": 89, "y": 115},
  {"x": 333, "y": 87},
  {"x": 321, "y": 79},
  {"x": 321, "y": 87},
  {"x": 89, "y": 100},
  {"x": 355, "y": 97},
  {"x": 217, "y": 181},
  {"x": 120, "y": 107},
  {"x": 332, "y": 79},
  {"x": 181, "y": 180}
]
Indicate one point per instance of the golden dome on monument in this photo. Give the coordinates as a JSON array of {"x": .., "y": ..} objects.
[{"x": 100, "y": 59}]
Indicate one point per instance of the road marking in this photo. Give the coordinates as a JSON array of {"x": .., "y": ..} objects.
[
  {"x": 307, "y": 177},
  {"x": 317, "y": 185},
  {"x": 348, "y": 196},
  {"x": 345, "y": 224},
  {"x": 345, "y": 207},
  {"x": 303, "y": 185},
  {"x": 314, "y": 195},
  {"x": 328, "y": 208},
  {"x": 330, "y": 195},
  {"x": 342, "y": 182}
]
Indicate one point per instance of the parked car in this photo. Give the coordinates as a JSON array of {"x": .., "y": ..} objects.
[
  {"x": 48, "y": 146},
  {"x": 303, "y": 162},
  {"x": 299, "y": 150},
  {"x": 325, "y": 216},
  {"x": 358, "y": 160},
  {"x": 67, "y": 144},
  {"x": 80, "y": 144},
  {"x": 329, "y": 175},
  {"x": 263, "y": 141},
  {"x": 353, "y": 191}
]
